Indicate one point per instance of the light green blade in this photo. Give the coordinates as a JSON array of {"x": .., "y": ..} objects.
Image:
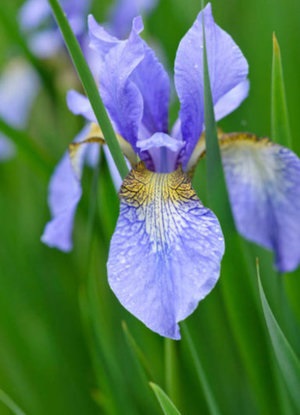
[
  {"x": 280, "y": 128},
  {"x": 4, "y": 398},
  {"x": 165, "y": 402}
]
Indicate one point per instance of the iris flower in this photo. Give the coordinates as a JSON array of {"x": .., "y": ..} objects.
[
  {"x": 37, "y": 23},
  {"x": 19, "y": 85},
  {"x": 166, "y": 250}
]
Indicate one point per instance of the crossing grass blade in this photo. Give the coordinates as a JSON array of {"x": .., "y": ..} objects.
[{"x": 216, "y": 185}]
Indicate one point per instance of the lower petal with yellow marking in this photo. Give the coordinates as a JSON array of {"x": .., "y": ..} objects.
[{"x": 166, "y": 251}]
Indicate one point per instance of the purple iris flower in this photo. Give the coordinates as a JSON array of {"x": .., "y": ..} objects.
[
  {"x": 166, "y": 251},
  {"x": 19, "y": 85},
  {"x": 37, "y": 22}
]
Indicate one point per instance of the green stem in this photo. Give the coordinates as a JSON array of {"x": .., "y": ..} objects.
[
  {"x": 90, "y": 87},
  {"x": 171, "y": 370}
]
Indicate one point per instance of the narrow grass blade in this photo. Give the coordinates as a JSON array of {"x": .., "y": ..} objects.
[
  {"x": 165, "y": 402},
  {"x": 210, "y": 399},
  {"x": 7, "y": 401},
  {"x": 90, "y": 87},
  {"x": 217, "y": 191},
  {"x": 287, "y": 360},
  {"x": 280, "y": 128}
]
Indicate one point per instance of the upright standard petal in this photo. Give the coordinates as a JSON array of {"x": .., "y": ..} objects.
[
  {"x": 227, "y": 69},
  {"x": 64, "y": 195},
  {"x": 120, "y": 95},
  {"x": 123, "y": 11},
  {"x": 263, "y": 181},
  {"x": 166, "y": 251},
  {"x": 128, "y": 68}
]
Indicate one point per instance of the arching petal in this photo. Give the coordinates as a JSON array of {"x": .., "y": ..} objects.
[
  {"x": 63, "y": 198},
  {"x": 263, "y": 181},
  {"x": 227, "y": 68},
  {"x": 163, "y": 151},
  {"x": 64, "y": 195},
  {"x": 166, "y": 251}
]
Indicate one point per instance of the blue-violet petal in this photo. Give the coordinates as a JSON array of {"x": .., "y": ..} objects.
[{"x": 166, "y": 250}]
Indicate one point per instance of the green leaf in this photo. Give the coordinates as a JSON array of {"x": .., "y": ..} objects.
[
  {"x": 216, "y": 185},
  {"x": 287, "y": 360},
  {"x": 90, "y": 87},
  {"x": 165, "y": 402},
  {"x": 4, "y": 398},
  {"x": 280, "y": 128}
]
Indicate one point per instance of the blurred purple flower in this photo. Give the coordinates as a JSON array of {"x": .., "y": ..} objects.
[
  {"x": 37, "y": 22},
  {"x": 18, "y": 88},
  {"x": 166, "y": 251}
]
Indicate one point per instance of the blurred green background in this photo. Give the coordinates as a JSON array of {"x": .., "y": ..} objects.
[{"x": 63, "y": 349}]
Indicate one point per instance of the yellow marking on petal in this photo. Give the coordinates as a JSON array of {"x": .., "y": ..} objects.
[
  {"x": 95, "y": 136},
  {"x": 161, "y": 200},
  {"x": 225, "y": 140},
  {"x": 143, "y": 186},
  {"x": 242, "y": 139}
]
